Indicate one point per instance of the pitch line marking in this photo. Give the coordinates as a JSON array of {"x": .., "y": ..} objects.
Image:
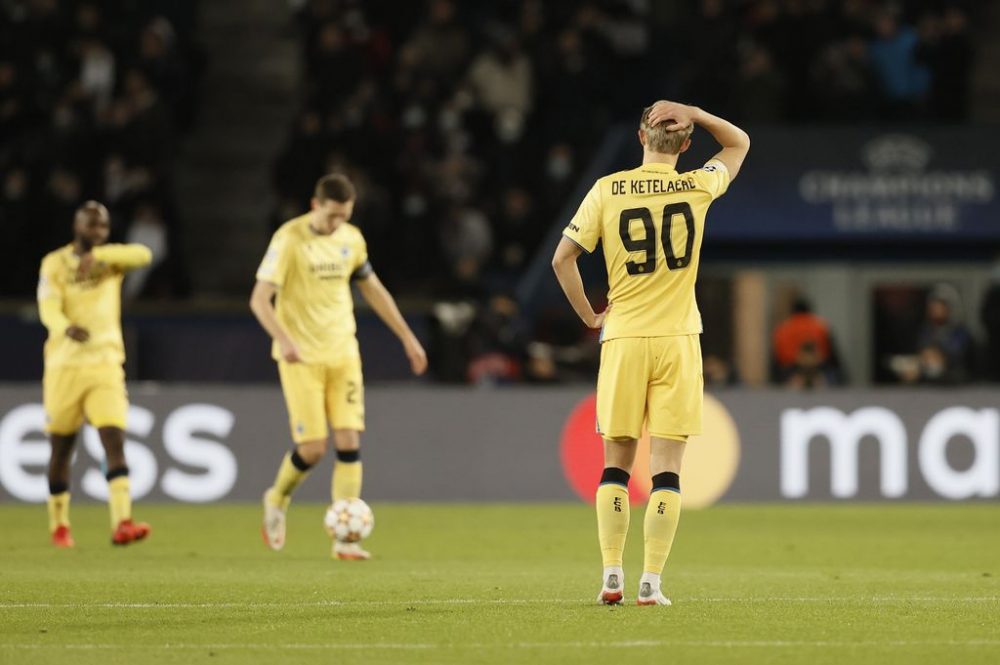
[
  {"x": 479, "y": 601},
  {"x": 417, "y": 646}
]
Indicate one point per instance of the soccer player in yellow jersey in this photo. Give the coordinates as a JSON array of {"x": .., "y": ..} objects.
[
  {"x": 79, "y": 299},
  {"x": 309, "y": 268},
  {"x": 651, "y": 221}
]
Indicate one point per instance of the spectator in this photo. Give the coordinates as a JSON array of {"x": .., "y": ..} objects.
[
  {"x": 946, "y": 50},
  {"x": 944, "y": 346},
  {"x": 905, "y": 81},
  {"x": 501, "y": 81},
  {"x": 843, "y": 80},
  {"x": 439, "y": 48},
  {"x": 804, "y": 354},
  {"x": 760, "y": 87},
  {"x": 147, "y": 228}
]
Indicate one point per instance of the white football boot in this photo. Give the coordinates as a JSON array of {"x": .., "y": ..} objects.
[
  {"x": 349, "y": 551},
  {"x": 273, "y": 527},
  {"x": 612, "y": 591},
  {"x": 650, "y": 594}
]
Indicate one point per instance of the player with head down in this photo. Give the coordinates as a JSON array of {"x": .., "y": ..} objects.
[{"x": 303, "y": 299}]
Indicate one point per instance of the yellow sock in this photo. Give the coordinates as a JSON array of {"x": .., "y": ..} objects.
[
  {"x": 612, "y": 521},
  {"x": 119, "y": 500},
  {"x": 346, "y": 480},
  {"x": 662, "y": 515},
  {"x": 290, "y": 475},
  {"x": 58, "y": 510}
]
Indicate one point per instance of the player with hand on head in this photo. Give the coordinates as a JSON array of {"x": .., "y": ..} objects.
[
  {"x": 309, "y": 268},
  {"x": 651, "y": 222},
  {"x": 79, "y": 301}
]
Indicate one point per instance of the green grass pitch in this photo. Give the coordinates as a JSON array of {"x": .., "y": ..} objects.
[{"x": 506, "y": 584}]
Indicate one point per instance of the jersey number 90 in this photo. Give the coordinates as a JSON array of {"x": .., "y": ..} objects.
[{"x": 647, "y": 244}]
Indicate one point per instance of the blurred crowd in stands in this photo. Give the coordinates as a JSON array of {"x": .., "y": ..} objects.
[
  {"x": 93, "y": 97},
  {"x": 467, "y": 125}
]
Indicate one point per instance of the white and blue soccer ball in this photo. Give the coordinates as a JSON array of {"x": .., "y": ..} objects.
[{"x": 349, "y": 520}]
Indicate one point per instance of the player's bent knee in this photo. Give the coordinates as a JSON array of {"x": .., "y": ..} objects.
[
  {"x": 347, "y": 439},
  {"x": 312, "y": 451}
]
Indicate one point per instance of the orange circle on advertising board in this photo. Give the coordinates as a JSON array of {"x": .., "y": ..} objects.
[{"x": 710, "y": 460}]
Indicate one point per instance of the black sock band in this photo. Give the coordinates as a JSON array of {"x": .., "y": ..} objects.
[
  {"x": 116, "y": 473},
  {"x": 615, "y": 475},
  {"x": 668, "y": 480},
  {"x": 300, "y": 463},
  {"x": 58, "y": 488},
  {"x": 348, "y": 455}
]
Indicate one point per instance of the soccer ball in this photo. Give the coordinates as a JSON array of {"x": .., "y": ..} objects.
[{"x": 349, "y": 520}]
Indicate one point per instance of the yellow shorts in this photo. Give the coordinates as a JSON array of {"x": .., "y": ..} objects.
[
  {"x": 95, "y": 393},
  {"x": 323, "y": 396},
  {"x": 657, "y": 380}
]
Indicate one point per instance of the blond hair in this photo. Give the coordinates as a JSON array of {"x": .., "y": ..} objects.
[{"x": 660, "y": 139}]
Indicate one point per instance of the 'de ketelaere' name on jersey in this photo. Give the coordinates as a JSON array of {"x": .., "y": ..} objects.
[{"x": 651, "y": 186}]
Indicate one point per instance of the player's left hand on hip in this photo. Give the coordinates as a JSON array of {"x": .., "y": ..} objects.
[
  {"x": 598, "y": 321},
  {"x": 418, "y": 357}
]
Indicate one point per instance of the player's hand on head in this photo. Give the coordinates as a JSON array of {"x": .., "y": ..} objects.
[
  {"x": 78, "y": 333},
  {"x": 289, "y": 352},
  {"x": 417, "y": 356},
  {"x": 672, "y": 115}
]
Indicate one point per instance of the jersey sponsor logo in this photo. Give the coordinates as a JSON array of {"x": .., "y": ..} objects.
[
  {"x": 573, "y": 227},
  {"x": 711, "y": 168},
  {"x": 327, "y": 269}
]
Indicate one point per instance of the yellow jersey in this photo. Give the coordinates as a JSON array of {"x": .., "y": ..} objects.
[
  {"x": 92, "y": 301},
  {"x": 651, "y": 221},
  {"x": 313, "y": 274}
]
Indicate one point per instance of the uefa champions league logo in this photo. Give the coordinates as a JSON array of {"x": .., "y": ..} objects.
[
  {"x": 897, "y": 153},
  {"x": 898, "y": 191}
]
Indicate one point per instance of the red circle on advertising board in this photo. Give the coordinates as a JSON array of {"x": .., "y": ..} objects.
[
  {"x": 711, "y": 459},
  {"x": 582, "y": 453}
]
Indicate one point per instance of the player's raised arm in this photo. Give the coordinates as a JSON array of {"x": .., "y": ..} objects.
[
  {"x": 123, "y": 256},
  {"x": 568, "y": 274},
  {"x": 262, "y": 306},
  {"x": 376, "y": 295},
  {"x": 734, "y": 141}
]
